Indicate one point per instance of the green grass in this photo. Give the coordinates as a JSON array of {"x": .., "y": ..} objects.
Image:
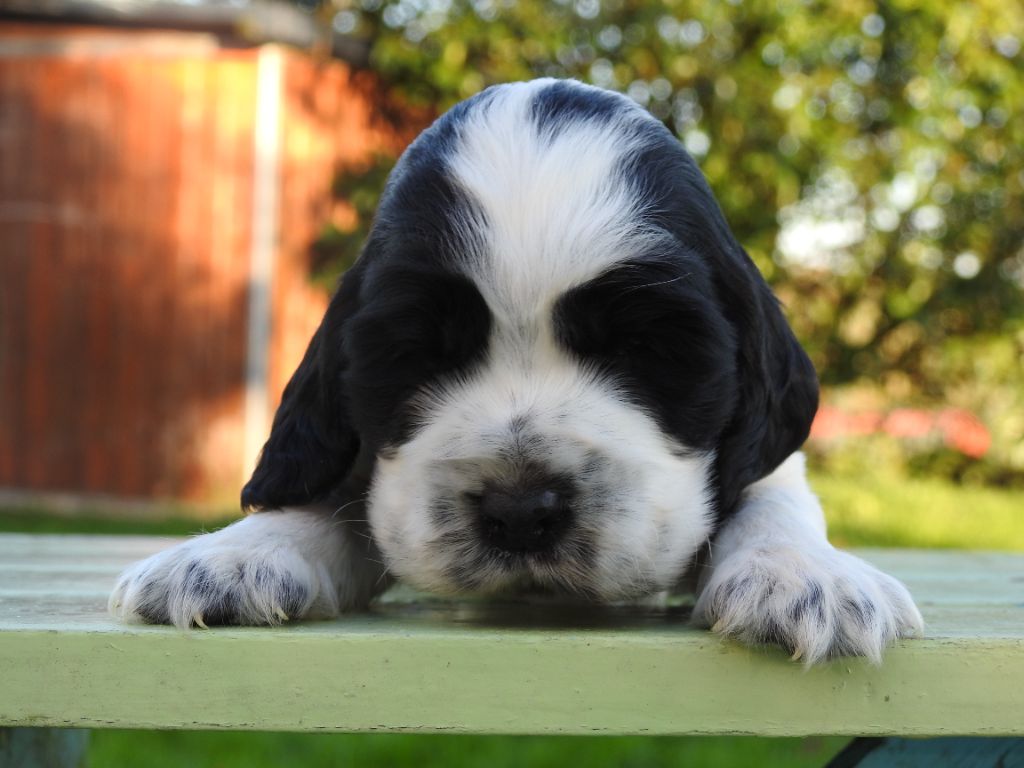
[
  {"x": 861, "y": 512},
  {"x": 916, "y": 512},
  {"x": 183, "y": 749}
]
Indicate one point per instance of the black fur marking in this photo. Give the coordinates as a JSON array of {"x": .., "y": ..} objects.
[
  {"x": 152, "y": 603},
  {"x": 422, "y": 326},
  {"x": 771, "y": 633},
  {"x": 861, "y": 610},
  {"x": 560, "y": 105},
  {"x": 733, "y": 589},
  {"x": 220, "y": 603},
  {"x": 291, "y": 595},
  {"x": 811, "y": 603},
  {"x": 654, "y": 326}
]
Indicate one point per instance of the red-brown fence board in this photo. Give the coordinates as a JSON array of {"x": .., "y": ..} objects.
[{"x": 126, "y": 196}]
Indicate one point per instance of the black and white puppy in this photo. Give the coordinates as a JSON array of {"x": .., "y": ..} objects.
[{"x": 553, "y": 367}]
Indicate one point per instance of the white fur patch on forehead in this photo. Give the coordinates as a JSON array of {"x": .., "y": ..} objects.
[{"x": 557, "y": 207}]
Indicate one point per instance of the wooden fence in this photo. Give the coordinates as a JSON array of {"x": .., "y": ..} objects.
[{"x": 159, "y": 193}]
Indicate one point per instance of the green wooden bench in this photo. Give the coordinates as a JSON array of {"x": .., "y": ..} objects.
[{"x": 430, "y": 665}]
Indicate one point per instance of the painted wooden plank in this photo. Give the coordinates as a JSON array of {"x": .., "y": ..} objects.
[
  {"x": 43, "y": 747},
  {"x": 928, "y": 753},
  {"x": 427, "y": 664}
]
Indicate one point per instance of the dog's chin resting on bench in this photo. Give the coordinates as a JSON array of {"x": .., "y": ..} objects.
[{"x": 552, "y": 368}]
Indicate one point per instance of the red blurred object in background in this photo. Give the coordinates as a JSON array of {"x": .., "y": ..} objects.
[{"x": 953, "y": 427}]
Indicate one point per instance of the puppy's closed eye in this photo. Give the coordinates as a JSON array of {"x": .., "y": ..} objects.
[
  {"x": 435, "y": 321},
  {"x": 421, "y": 327},
  {"x": 654, "y": 328}
]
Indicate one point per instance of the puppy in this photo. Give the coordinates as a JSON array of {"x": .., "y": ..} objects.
[{"x": 552, "y": 368}]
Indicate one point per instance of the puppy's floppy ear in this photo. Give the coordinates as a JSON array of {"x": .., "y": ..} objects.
[
  {"x": 312, "y": 445},
  {"x": 778, "y": 387}
]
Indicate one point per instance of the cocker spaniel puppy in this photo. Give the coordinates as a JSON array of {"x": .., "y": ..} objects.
[{"x": 552, "y": 368}]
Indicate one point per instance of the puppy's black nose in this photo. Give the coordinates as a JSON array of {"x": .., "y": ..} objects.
[{"x": 525, "y": 521}]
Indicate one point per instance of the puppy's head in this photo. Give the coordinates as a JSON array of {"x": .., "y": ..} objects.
[{"x": 552, "y": 366}]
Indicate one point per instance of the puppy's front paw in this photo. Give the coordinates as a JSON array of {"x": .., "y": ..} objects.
[
  {"x": 816, "y": 603},
  {"x": 221, "y": 578}
]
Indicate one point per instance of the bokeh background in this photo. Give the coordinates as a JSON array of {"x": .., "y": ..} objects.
[{"x": 183, "y": 183}]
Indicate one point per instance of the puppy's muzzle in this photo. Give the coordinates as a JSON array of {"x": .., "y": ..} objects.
[{"x": 525, "y": 519}]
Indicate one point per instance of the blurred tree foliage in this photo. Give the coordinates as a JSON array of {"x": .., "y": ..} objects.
[{"x": 869, "y": 155}]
